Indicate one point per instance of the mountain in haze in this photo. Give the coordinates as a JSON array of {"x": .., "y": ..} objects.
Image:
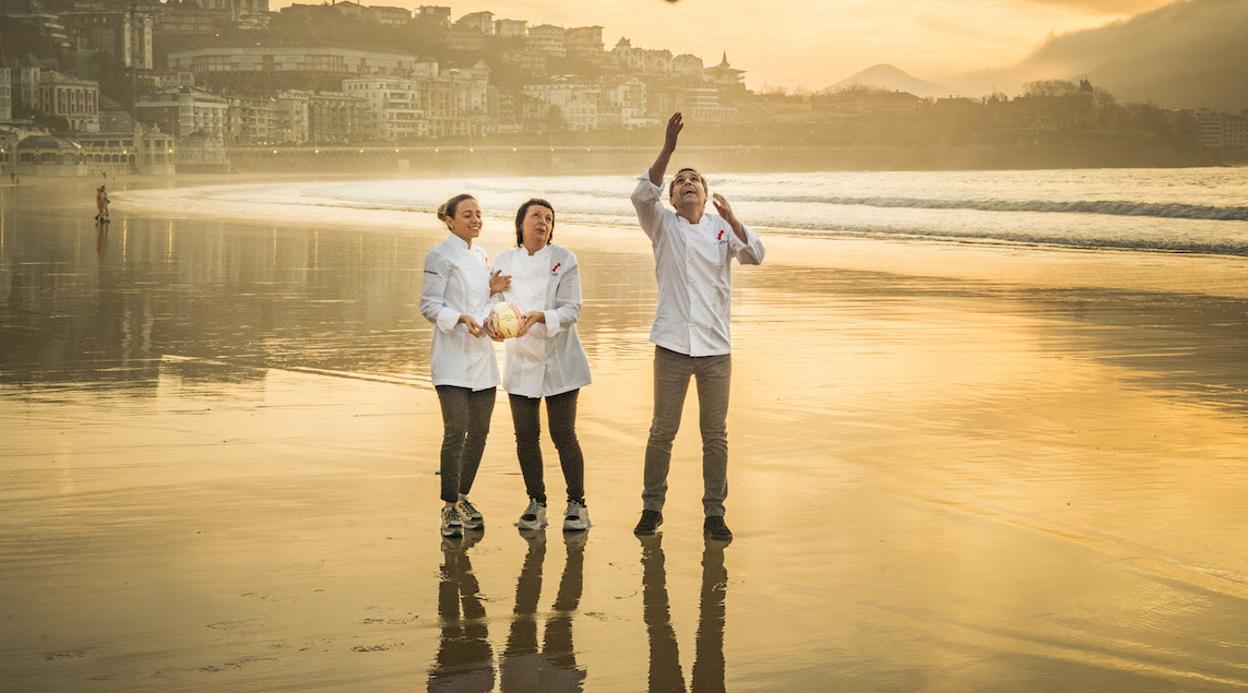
[
  {"x": 1187, "y": 54},
  {"x": 893, "y": 79}
]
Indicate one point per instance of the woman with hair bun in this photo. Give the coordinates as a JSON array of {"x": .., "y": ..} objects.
[
  {"x": 545, "y": 360},
  {"x": 455, "y": 297}
]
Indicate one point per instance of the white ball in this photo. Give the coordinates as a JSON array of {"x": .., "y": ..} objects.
[{"x": 507, "y": 319}]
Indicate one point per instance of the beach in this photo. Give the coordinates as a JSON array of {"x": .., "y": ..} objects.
[{"x": 954, "y": 465}]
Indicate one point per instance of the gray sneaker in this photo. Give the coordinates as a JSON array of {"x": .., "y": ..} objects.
[
  {"x": 534, "y": 516},
  {"x": 452, "y": 524},
  {"x": 470, "y": 515},
  {"x": 576, "y": 518}
]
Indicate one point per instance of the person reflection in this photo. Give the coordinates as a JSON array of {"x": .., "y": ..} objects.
[
  {"x": 554, "y": 669},
  {"x": 708, "y": 665},
  {"x": 665, "y": 673},
  {"x": 101, "y": 239},
  {"x": 561, "y": 672},
  {"x": 521, "y": 665},
  {"x": 465, "y": 660}
]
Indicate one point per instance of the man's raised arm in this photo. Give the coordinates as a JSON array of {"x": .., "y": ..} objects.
[
  {"x": 674, "y": 126},
  {"x": 647, "y": 197}
]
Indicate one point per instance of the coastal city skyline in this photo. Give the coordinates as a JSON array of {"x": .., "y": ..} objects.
[
  {"x": 815, "y": 43},
  {"x": 215, "y": 85}
]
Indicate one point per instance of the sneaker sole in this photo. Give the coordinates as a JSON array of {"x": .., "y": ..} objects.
[
  {"x": 474, "y": 525},
  {"x": 647, "y": 532},
  {"x": 452, "y": 532},
  {"x": 578, "y": 527}
]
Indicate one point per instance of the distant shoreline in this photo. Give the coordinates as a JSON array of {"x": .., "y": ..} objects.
[{"x": 604, "y": 159}]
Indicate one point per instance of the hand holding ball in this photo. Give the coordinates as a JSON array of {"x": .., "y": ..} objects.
[{"x": 507, "y": 320}]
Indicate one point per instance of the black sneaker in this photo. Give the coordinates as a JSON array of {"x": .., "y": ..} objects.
[
  {"x": 650, "y": 521},
  {"x": 714, "y": 528}
]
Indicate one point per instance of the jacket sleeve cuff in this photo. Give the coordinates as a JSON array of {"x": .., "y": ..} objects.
[
  {"x": 646, "y": 189},
  {"x": 553, "y": 324},
  {"x": 751, "y": 240},
  {"x": 448, "y": 318}
]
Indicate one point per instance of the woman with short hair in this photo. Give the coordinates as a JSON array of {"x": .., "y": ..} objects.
[{"x": 545, "y": 359}]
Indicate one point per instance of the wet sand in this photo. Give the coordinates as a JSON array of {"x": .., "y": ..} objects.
[{"x": 953, "y": 468}]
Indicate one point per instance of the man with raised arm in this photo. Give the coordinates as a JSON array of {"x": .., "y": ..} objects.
[{"x": 693, "y": 253}]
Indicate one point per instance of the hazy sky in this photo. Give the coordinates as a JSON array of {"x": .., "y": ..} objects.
[{"x": 814, "y": 43}]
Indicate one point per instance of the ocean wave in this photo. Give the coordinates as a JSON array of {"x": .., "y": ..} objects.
[
  {"x": 1128, "y": 208},
  {"x": 1163, "y": 210},
  {"x": 1159, "y": 225},
  {"x": 1214, "y": 246}
]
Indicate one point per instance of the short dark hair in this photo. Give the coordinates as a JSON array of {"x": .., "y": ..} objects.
[
  {"x": 671, "y": 187},
  {"x": 447, "y": 211},
  {"x": 524, "y": 210}
]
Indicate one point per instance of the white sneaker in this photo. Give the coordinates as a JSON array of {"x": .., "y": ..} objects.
[
  {"x": 576, "y": 519},
  {"x": 469, "y": 514},
  {"x": 534, "y": 516},
  {"x": 452, "y": 525}
]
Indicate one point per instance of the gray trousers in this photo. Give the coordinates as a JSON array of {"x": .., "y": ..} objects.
[{"x": 671, "y": 382}]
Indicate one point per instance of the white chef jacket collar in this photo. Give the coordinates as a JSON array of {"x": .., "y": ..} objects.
[{"x": 524, "y": 252}]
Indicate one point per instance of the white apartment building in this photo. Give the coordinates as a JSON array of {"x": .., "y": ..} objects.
[
  {"x": 1218, "y": 130},
  {"x": 703, "y": 104},
  {"x": 623, "y": 105},
  {"x": 292, "y": 117},
  {"x": 482, "y": 22},
  {"x": 262, "y": 60},
  {"x": 687, "y": 65},
  {"x": 395, "y": 103},
  {"x": 577, "y": 103},
  {"x": 511, "y": 28},
  {"x": 186, "y": 111},
  {"x": 457, "y": 102},
  {"x": 583, "y": 42},
  {"x": 656, "y": 62},
  {"x": 6, "y": 95},
  {"x": 251, "y": 120},
  {"x": 75, "y": 100},
  {"x": 548, "y": 39}
]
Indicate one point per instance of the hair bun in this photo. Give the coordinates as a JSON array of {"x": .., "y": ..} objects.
[{"x": 442, "y": 212}]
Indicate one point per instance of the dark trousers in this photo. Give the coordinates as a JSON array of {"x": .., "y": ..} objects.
[
  {"x": 465, "y": 424},
  {"x": 561, "y": 412},
  {"x": 713, "y": 375}
]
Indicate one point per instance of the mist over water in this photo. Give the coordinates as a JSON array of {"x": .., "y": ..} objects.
[{"x": 1188, "y": 210}]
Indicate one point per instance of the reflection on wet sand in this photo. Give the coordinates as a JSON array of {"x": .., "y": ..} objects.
[
  {"x": 465, "y": 659},
  {"x": 666, "y": 674},
  {"x": 101, "y": 239},
  {"x": 524, "y": 668}
]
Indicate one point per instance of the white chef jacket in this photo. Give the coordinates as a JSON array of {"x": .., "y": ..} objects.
[
  {"x": 548, "y": 360},
  {"x": 457, "y": 281},
  {"x": 693, "y": 266}
]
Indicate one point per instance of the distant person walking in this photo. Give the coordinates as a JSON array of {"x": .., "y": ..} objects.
[
  {"x": 101, "y": 205},
  {"x": 693, "y": 253},
  {"x": 544, "y": 360},
  {"x": 455, "y": 297}
]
